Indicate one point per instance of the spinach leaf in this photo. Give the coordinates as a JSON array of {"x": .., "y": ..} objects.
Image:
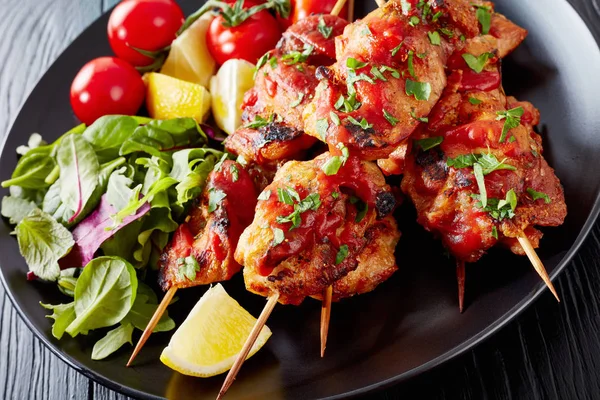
[
  {"x": 33, "y": 169},
  {"x": 79, "y": 169},
  {"x": 113, "y": 341},
  {"x": 159, "y": 136},
  {"x": 42, "y": 242},
  {"x": 142, "y": 311},
  {"x": 108, "y": 133},
  {"x": 104, "y": 294},
  {"x": 121, "y": 243},
  {"x": 15, "y": 209},
  {"x": 63, "y": 315},
  {"x": 54, "y": 206},
  {"x": 120, "y": 190}
]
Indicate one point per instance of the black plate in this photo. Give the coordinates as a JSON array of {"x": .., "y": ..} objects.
[{"x": 411, "y": 323}]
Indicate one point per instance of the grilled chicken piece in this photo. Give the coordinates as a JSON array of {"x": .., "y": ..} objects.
[
  {"x": 390, "y": 73},
  {"x": 471, "y": 119},
  {"x": 285, "y": 83},
  {"x": 310, "y": 228},
  {"x": 202, "y": 248}
]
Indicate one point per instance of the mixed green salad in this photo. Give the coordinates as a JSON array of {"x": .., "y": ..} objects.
[{"x": 93, "y": 211}]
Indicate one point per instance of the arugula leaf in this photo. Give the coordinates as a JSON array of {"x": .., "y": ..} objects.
[
  {"x": 113, "y": 341},
  {"x": 341, "y": 254},
  {"x": 421, "y": 90},
  {"x": 538, "y": 195},
  {"x": 156, "y": 226},
  {"x": 434, "y": 38},
  {"x": 108, "y": 133},
  {"x": 512, "y": 119},
  {"x": 429, "y": 143},
  {"x": 63, "y": 315},
  {"x": 42, "y": 242},
  {"x": 15, "y": 209},
  {"x": 159, "y": 136},
  {"x": 79, "y": 169},
  {"x": 104, "y": 294},
  {"x": 324, "y": 29},
  {"x": 477, "y": 63}
]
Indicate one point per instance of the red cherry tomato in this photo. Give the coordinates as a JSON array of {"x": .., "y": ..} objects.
[
  {"x": 303, "y": 8},
  {"x": 143, "y": 24},
  {"x": 106, "y": 85},
  {"x": 248, "y": 41}
]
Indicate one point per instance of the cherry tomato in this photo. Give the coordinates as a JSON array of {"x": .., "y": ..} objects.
[
  {"x": 106, "y": 85},
  {"x": 248, "y": 41},
  {"x": 303, "y": 8},
  {"x": 143, "y": 24}
]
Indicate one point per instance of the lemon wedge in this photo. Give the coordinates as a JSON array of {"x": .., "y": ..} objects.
[
  {"x": 168, "y": 97},
  {"x": 233, "y": 80},
  {"x": 189, "y": 58},
  {"x": 209, "y": 340}
]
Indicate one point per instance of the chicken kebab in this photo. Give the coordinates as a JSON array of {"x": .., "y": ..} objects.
[
  {"x": 476, "y": 171},
  {"x": 201, "y": 250}
]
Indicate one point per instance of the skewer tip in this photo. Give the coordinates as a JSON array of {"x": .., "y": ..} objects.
[
  {"x": 325, "y": 316},
  {"x": 537, "y": 264},
  {"x": 460, "y": 277}
]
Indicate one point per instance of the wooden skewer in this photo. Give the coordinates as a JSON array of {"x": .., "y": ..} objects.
[
  {"x": 380, "y": 3},
  {"x": 260, "y": 323},
  {"x": 460, "y": 277},
  {"x": 537, "y": 263},
  {"x": 351, "y": 10},
  {"x": 152, "y": 324},
  {"x": 338, "y": 7},
  {"x": 325, "y": 315}
]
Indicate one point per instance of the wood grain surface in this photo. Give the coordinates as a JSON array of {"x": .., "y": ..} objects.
[{"x": 552, "y": 351}]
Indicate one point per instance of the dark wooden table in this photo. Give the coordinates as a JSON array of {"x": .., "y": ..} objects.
[{"x": 552, "y": 351}]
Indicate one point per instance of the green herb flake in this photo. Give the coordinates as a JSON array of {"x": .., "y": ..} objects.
[
  {"x": 264, "y": 196},
  {"x": 366, "y": 31},
  {"x": 437, "y": 16},
  {"x": 364, "y": 124},
  {"x": 474, "y": 101},
  {"x": 297, "y": 102},
  {"x": 278, "y": 236},
  {"x": 484, "y": 16},
  {"x": 414, "y": 21},
  {"x": 340, "y": 102},
  {"x": 477, "y": 63},
  {"x": 287, "y": 195},
  {"x": 434, "y": 38},
  {"x": 394, "y": 72},
  {"x": 538, "y": 195},
  {"x": 429, "y": 143},
  {"x": 187, "y": 268},
  {"x": 420, "y": 119},
  {"x": 334, "y": 118},
  {"x": 421, "y": 90},
  {"x": 335, "y": 195},
  {"x": 478, "y": 172},
  {"x": 334, "y": 163},
  {"x": 324, "y": 29},
  {"x": 295, "y": 57},
  {"x": 495, "y": 232},
  {"x": 214, "y": 198},
  {"x": 354, "y": 64},
  {"x": 396, "y": 49},
  {"x": 377, "y": 74},
  {"x": 311, "y": 202},
  {"x": 322, "y": 127},
  {"x": 512, "y": 119},
  {"x": 260, "y": 122},
  {"x": 447, "y": 32},
  {"x": 261, "y": 62},
  {"x": 341, "y": 254},
  {"x": 411, "y": 67},
  {"x": 235, "y": 174},
  {"x": 390, "y": 118}
]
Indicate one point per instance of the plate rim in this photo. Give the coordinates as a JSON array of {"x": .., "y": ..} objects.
[{"x": 508, "y": 317}]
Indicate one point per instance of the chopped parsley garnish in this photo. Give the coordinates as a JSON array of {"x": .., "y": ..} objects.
[
  {"x": 262, "y": 61},
  {"x": 477, "y": 63},
  {"x": 214, "y": 198},
  {"x": 295, "y": 57},
  {"x": 474, "y": 101},
  {"x": 361, "y": 208},
  {"x": 324, "y": 29},
  {"x": 297, "y": 102},
  {"x": 394, "y": 72},
  {"x": 396, "y": 49},
  {"x": 511, "y": 139},
  {"x": 366, "y": 31},
  {"x": 335, "y": 195},
  {"x": 421, "y": 90},
  {"x": 422, "y": 55},
  {"x": 390, "y": 118},
  {"x": 287, "y": 195},
  {"x": 334, "y": 118},
  {"x": 512, "y": 119},
  {"x": 411, "y": 66},
  {"x": 488, "y": 162},
  {"x": 494, "y": 232},
  {"x": 420, "y": 119},
  {"x": 364, "y": 124},
  {"x": 260, "y": 122},
  {"x": 478, "y": 172},
  {"x": 429, "y": 143},
  {"x": 350, "y": 104},
  {"x": 322, "y": 127},
  {"x": 434, "y": 38},
  {"x": 447, "y": 32},
  {"x": 341, "y": 254},
  {"x": 500, "y": 209},
  {"x": 414, "y": 20},
  {"x": 187, "y": 268},
  {"x": 538, "y": 195},
  {"x": 235, "y": 174},
  {"x": 405, "y": 6},
  {"x": 311, "y": 202},
  {"x": 484, "y": 16},
  {"x": 333, "y": 165},
  {"x": 278, "y": 236},
  {"x": 266, "y": 195},
  {"x": 353, "y": 63},
  {"x": 377, "y": 74}
]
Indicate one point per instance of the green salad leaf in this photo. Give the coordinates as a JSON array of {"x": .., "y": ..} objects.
[
  {"x": 42, "y": 242},
  {"x": 104, "y": 294},
  {"x": 15, "y": 209},
  {"x": 33, "y": 169},
  {"x": 108, "y": 133},
  {"x": 113, "y": 341},
  {"x": 63, "y": 315}
]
